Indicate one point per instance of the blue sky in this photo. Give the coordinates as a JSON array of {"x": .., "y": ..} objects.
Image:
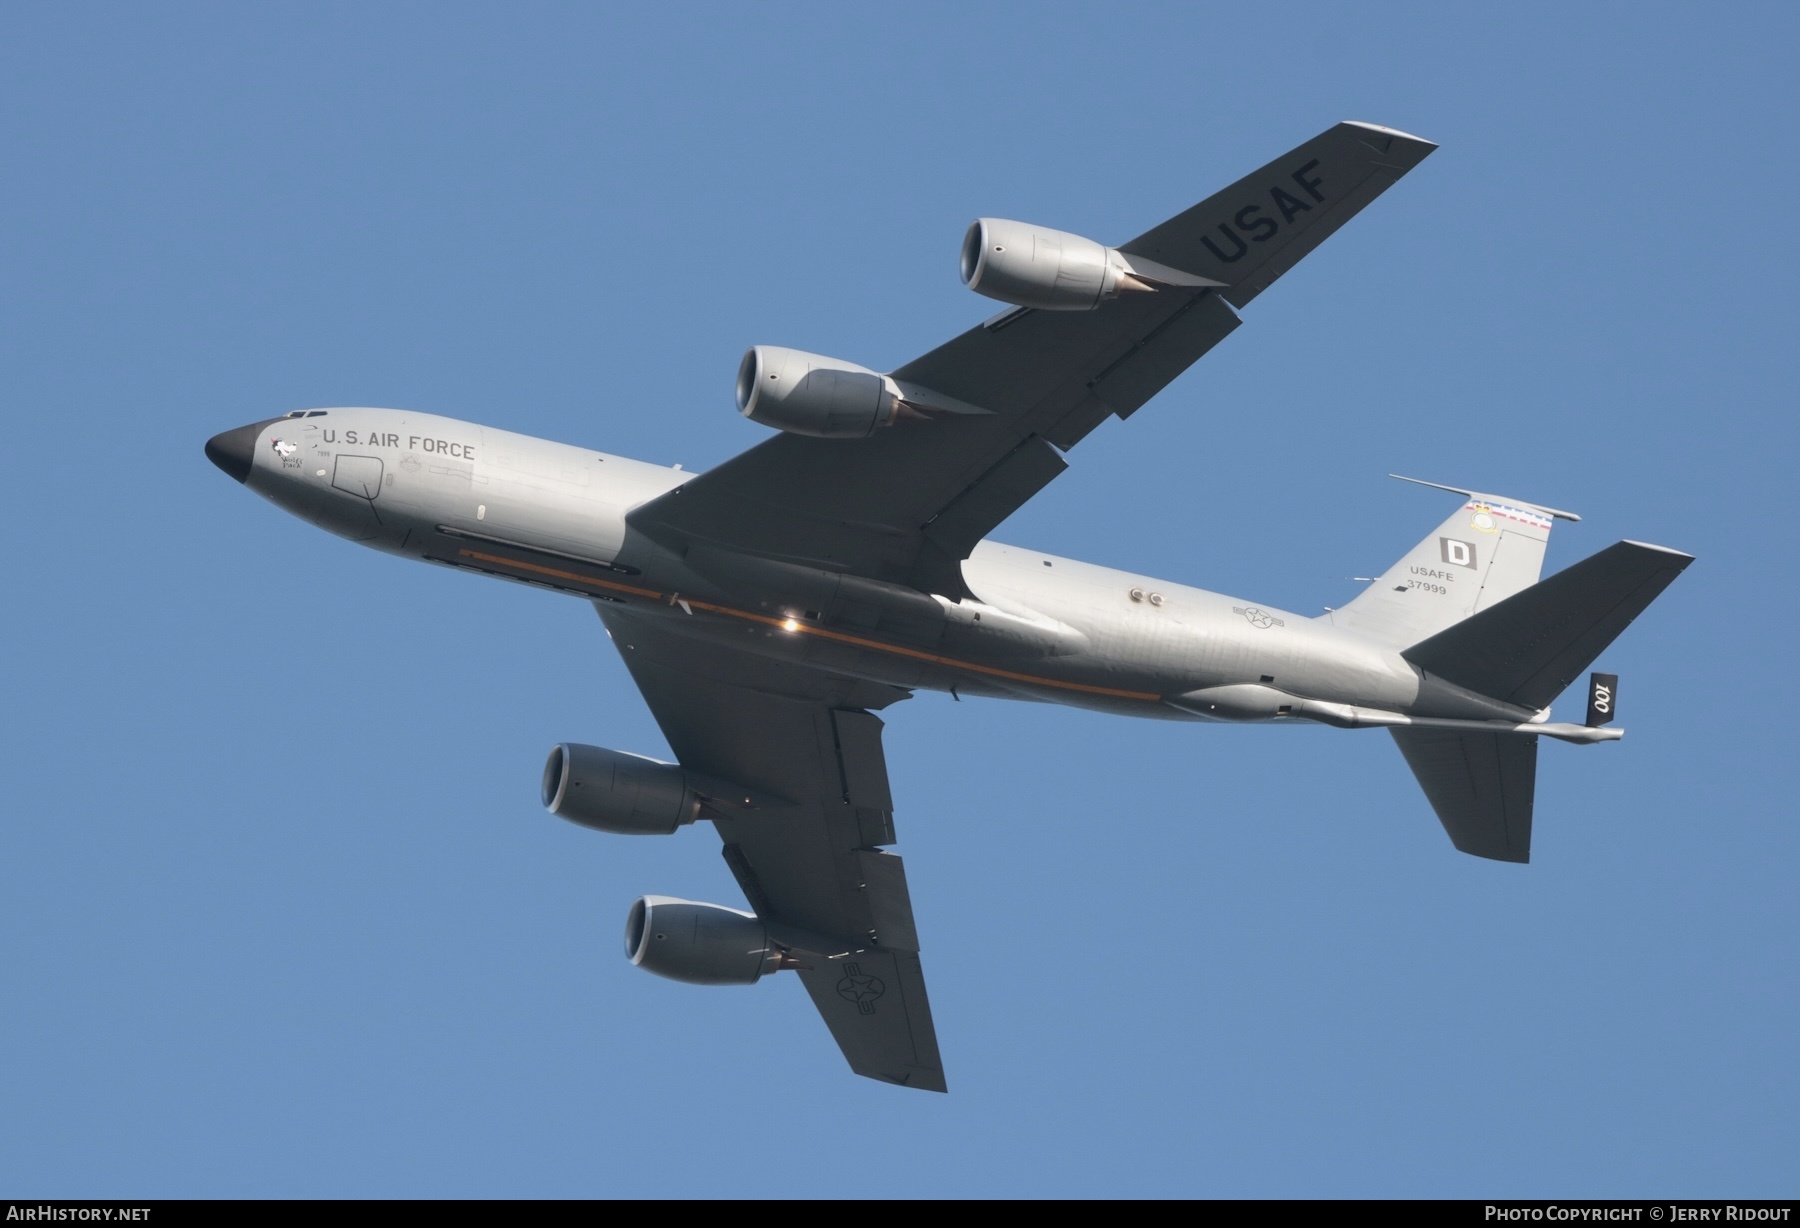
[{"x": 279, "y": 911}]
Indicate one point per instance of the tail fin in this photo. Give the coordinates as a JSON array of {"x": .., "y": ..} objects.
[
  {"x": 1525, "y": 650},
  {"x": 1489, "y": 549}
]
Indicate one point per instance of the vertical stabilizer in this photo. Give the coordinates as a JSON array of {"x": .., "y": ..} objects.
[{"x": 1490, "y": 548}]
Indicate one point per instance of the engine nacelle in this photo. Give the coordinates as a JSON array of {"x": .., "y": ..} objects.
[
  {"x": 809, "y": 394},
  {"x": 703, "y": 944},
  {"x": 1031, "y": 266},
  {"x": 610, "y": 791}
]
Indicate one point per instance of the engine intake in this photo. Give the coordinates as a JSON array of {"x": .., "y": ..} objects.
[
  {"x": 809, "y": 394},
  {"x": 612, "y": 791},
  {"x": 703, "y": 944}
]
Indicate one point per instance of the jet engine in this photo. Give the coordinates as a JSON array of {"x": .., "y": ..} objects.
[
  {"x": 610, "y": 791},
  {"x": 1032, "y": 266},
  {"x": 703, "y": 944},
  {"x": 809, "y": 394}
]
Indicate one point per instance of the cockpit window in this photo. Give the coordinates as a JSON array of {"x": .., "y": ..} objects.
[
  {"x": 298, "y": 413},
  {"x": 317, "y": 413}
]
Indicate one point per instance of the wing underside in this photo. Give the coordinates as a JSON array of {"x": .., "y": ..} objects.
[
  {"x": 810, "y": 859},
  {"x": 908, "y": 503}
]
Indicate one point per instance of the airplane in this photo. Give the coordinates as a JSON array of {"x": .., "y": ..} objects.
[{"x": 768, "y": 608}]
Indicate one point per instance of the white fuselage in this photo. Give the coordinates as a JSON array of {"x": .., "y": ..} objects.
[{"x": 1041, "y": 627}]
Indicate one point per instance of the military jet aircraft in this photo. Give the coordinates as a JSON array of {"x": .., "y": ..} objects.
[{"x": 769, "y": 607}]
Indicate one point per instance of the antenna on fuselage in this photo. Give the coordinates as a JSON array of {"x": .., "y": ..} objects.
[{"x": 1475, "y": 494}]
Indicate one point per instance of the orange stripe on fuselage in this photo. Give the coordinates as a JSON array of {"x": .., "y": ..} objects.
[{"x": 826, "y": 633}]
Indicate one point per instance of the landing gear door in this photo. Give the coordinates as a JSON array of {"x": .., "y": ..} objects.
[{"x": 358, "y": 475}]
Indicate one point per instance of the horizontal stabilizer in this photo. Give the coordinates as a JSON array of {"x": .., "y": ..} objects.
[
  {"x": 1529, "y": 647},
  {"x": 1480, "y": 784}
]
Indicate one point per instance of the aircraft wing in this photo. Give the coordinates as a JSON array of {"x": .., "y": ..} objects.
[
  {"x": 908, "y": 503},
  {"x": 808, "y": 855}
]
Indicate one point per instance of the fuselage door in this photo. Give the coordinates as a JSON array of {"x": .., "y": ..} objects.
[{"x": 358, "y": 475}]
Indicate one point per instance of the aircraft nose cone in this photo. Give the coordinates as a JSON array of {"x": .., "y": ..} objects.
[{"x": 233, "y": 450}]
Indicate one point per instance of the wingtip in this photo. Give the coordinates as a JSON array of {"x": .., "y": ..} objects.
[
  {"x": 1683, "y": 555},
  {"x": 917, "y": 1078},
  {"x": 1425, "y": 145}
]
